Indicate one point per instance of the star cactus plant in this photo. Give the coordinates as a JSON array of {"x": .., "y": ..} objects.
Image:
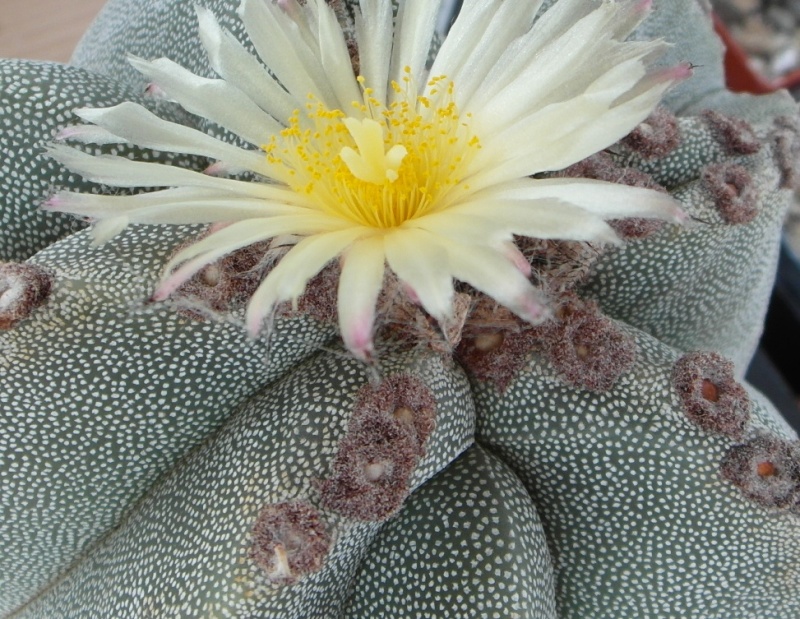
[{"x": 375, "y": 321}]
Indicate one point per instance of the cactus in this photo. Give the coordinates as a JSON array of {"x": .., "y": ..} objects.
[{"x": 601, "y": 458}]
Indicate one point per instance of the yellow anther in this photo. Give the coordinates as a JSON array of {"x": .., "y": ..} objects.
[{"x": 389, "y": 164}]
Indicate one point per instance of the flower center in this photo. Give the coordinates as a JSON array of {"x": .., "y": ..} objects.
[{"x": 384, "y": 165}]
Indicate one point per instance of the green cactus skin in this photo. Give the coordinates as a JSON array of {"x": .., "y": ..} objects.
[
  {"x": 639, "y": 522},
  {"x": 183, "y": 550},
  {"x": 135, "y": 388},
  {"x": 36, "y": 101},
  {"x": 687, "y": 286},
  {"x": 480, "y": 552},
  {"x": 138, "y": 446}
]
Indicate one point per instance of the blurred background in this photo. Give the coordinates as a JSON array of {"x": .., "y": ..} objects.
[
  {"x": 763, "y": 40},
  {"x": 44, "y": 29}
]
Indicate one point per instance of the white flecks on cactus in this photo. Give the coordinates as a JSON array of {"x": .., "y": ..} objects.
[
  {"x": 639, "y": 521},
  {"x": 705, "y": 299},
  {"x": 186, "y": 550},
  {"x": 355, "y": 167},
  {"x": 478, "y": 538},
  {"x": 101, "y": 394},
  {"x": 126, "y": 451}
]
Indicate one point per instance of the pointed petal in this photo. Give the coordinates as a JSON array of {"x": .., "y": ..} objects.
[
  {"x": 467, "y": 29},
  {"x": 215, "y": 100},
  {"x": 482, "y": 54},
  {"x": 287, "y": 281},
  {"x": 122, "y": 172},
  {"x": 140, "y": 126},
  {"x": 359, "y": 285},
  {"x": 336, "y": 60},
  {"x": 169, "y": 206},
  {"x": 417, "y": 260},
  {"x": 235, "y": 64},
  {"x": 491, "y": 222},
  {"x": 413, "y": 33},
  {"x": 282, "y": 47},
  {"x": 564, "y": 52},
  {"x": 600, "y": 198},
  {"x": 564, "y": 134},
  {"x": 107, "y": 229},
  {"x": 235, "y": 236},
  {"x": 88, "y": 134},
  {"x": 490, "y": 272},
  {"x": 374, "y": 33}
]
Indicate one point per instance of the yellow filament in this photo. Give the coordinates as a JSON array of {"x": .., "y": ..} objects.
[{"x": 382, "y": 166}]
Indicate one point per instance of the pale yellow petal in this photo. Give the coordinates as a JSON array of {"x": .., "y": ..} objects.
[{"x": 359, "y": 285}]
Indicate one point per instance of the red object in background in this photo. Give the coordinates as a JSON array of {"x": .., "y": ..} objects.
[{"x": 740, "y": 76}]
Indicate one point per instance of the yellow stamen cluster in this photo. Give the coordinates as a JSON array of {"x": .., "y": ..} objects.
[{"x": 382, "y": 166}]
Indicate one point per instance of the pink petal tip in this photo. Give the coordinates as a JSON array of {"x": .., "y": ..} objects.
[
  {"x": 215, "y": 169},
  {"x": 678, "y": 73},
  {"x": 359, "y": 341},
  {"x": 66, "y": 133}
]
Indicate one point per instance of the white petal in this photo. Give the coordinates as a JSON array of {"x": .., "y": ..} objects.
[
  {"x": 235, "y": 236},
  {"x": 492, "y": 222},
  {"x": 521, "y": 53},
  {"x": 336, "y": 60},
  {"x": 413, "y": 33},
  {"x": 512, "y": 20},
  {"x": 490, "y": 272},
  {"x": 215, "y": 100},
  {"x": 305, "y": 16},
  {"x": 601, "y": 198},
  {"x": 287, "y": 281},
  {"x": 170, "y": 206},
  {"x": 374, "y": 33},
  {"x": 236, "y": 65},
  {"x": 281, "y": 46},
  {"x": 122, "y": 172},
  {"x": 573, "y": 58},
  {"x": 107, "y": 229},
  {"x": 564, "y": 133},
  {"x": 417, "y": 260},
  {"x": 89, "y": 134},
  {"x": 359, "y": 286},
  {"x": 138, "y": 125},
  {"x": 471, "y": 22}
]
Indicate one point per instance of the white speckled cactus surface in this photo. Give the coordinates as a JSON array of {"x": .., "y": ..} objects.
[{"x": 469, "y": 347}]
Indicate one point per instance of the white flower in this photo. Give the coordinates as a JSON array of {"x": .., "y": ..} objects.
[{"x": 424, "y": 171}]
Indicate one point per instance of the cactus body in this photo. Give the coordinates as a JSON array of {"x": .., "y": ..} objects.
[{"x": 157, "y": 461}]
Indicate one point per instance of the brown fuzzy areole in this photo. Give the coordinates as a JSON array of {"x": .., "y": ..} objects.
[
  {"x": 559, "y": 266},
  {"x": 734, "y": 193},
  {"x": 401, "y": 398},
  {"x": 586, "y": 348},
  {"x": 401, "y": 320},
  {"x": 766, "y": 469},
  {"x": 636, "y": 228},
  {"x": 786, "y": 138},
  {"x": 711, "y": 397},
  {"x": 319, "y": 298},
  {"x": 656, "y": 137},
  {"x": 289, "y": 540},
  {"x": 225, "y": 285},
  {"x": 23, "y": 288},
  {"x": 735, "y": 135},
  {"x": 372, "y": 469},
  {"x": 496, "y": 344}
]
